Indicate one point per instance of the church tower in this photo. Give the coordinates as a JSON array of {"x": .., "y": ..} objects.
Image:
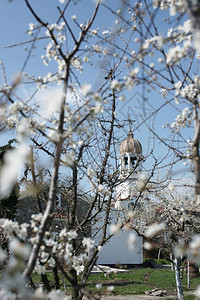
[
  {"x": 130, "y": 157},
  {"x": 115, "y": 251}
]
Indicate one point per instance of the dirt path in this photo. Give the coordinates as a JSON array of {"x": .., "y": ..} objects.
[
  {"x": 137, "y": 297},
  {"x": 133, "y": 297},
  {"x": 140, "y": 297}
]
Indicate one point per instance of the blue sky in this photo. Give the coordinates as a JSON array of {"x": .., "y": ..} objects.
[{"x": 14, "y": 22}]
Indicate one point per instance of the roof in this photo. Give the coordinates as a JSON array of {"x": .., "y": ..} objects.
[{"x": 130, "y": 145}]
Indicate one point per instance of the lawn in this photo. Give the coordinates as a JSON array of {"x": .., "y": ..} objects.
[{"x": 135, "y": 281}]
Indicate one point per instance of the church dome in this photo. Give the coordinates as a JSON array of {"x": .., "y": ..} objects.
[{"x": 130, "y": 145}]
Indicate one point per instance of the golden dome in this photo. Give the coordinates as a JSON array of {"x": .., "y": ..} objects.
[{"x": 130, "y": 145}]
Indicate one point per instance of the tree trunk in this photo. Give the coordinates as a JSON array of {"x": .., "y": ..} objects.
[
  {"x": 56, "y": 278},
  {"x": 75, "y": 292},
  {"x": 74, "y": 285},
  {"x": 159, "y": 252},
  {"x": 195, "y": 150},
  {"x": 176, "y": 264},
  {"x": 45, "y": 281}
]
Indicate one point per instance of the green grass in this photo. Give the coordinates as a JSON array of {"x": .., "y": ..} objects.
[
  {"x": 161, "y": 261},
  {"x": 135, "y": 281}
]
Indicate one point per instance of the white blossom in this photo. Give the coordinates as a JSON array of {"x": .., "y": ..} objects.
[
  {"x": 53, "y": 135},
  {"x": 70, "y": 158},
  {"x": 160, "y": 60},
  {"x": 20, "y": 249},
  {"x": 164, "y": 92},
  {"x": 105, "y": 51},
  {"x": 171, "y": 186},
  {"x": 13, "y": 164},
  {"x": 102, "y": 189},
  {"x": 57, "y": 294},
  {"x": 88, "y": 243},
  {"x": 131, "y": 241},
  {"x": 154, "y": 229},
  {"x": 63, "y": 233},
  {"x": 105, "y": 32},
  {"x": 51, "y": 100},
  {"x": 85, "y": 59},
  {"x": 98, "y": 107},
  {"x": 134, "y": 72},
  {"x": 147, "y": 246},
  {"x": 142, "y": 181},
  {"x": 197, "y": 292},
  {"x": 31, "y": 26},
  {"x": 7, "y": 295},
  {"x": 23, "y": 130},
  {"x": 110, "y": 288},
  {"x": 194, "y": 248},
  {"x": 178, "y": 251},
  {"x": 71, "y": 235},
  {"x": 99, "y": 248},
  {"x": 68, "y": 252},
  {"x": 2, "y": 255},
  {"x": 40, "y": 269},
  {"x": 97, "y": 48},
  {"x": 115, "y": 84},
  {"x": 93, "y": 31},
  {"x": 176, "y": 53},
  {"x": 143, "y": 177},
  {"x": 85, "y": 89},
  {"x": 114, "y": 228}
]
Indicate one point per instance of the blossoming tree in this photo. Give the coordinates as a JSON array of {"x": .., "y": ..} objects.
[{"x": 75, "y": 124}]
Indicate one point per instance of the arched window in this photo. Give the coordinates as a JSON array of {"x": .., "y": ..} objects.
[
  {"x": 58, "y": 200},
  {"x": 125, "y": 161},
  {"x": 133, "y": 161}
]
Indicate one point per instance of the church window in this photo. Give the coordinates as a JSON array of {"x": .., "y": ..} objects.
[
  {"x": 58, "y": 200},
  {"x": 133, "y": 159},
  {"x": 126, "y": 161}
]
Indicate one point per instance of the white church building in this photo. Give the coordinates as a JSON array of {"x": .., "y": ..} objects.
[{"x": 125, "y": 247}]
